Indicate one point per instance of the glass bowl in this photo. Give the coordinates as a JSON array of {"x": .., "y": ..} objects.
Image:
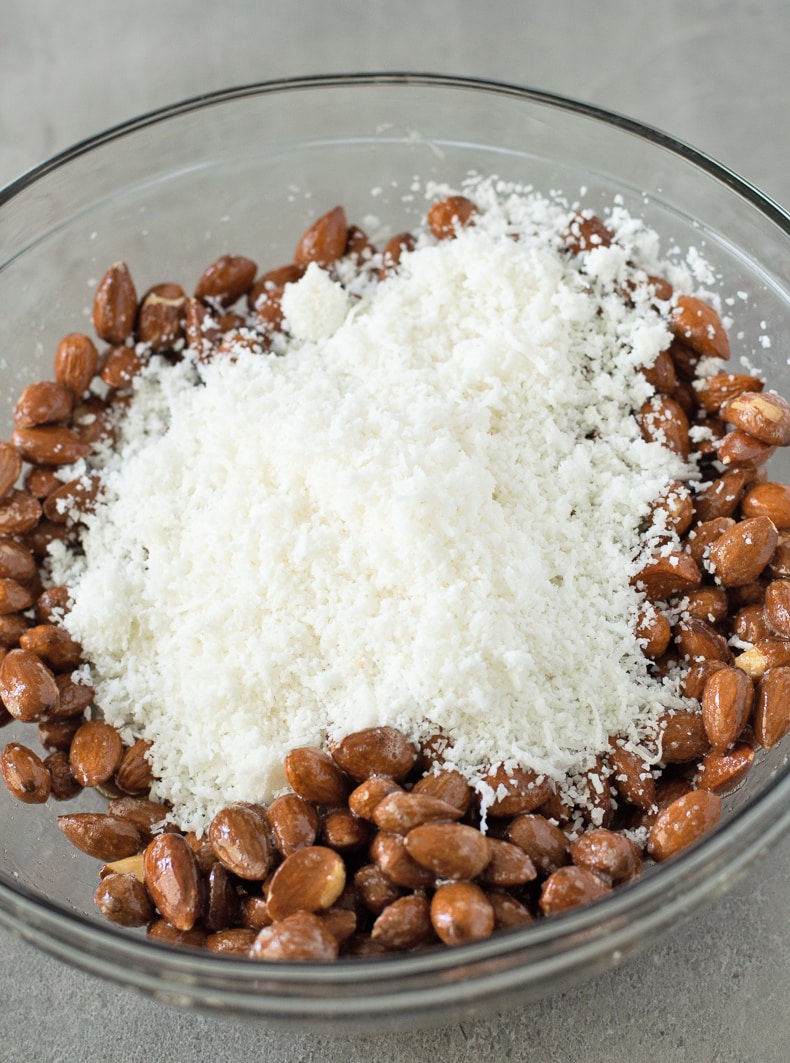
[{"x": 243, "y": 171}]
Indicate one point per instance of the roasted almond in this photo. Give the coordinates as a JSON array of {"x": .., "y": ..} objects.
[
  {"x": 124, "y": 900},
  {"x": 49, "y": 445},
  {"x": 447, "y": 216},
  {"x": 772, "y": 707},
  {"x": 517, "y": 790},
  {"x": 134, "y": 774},
  {"x": 683, "y": 823},
  {"x": 226, "y": 280},
  {"x": 631, "y": 777},
  {"x": 172, "y": 878},
  {"x": 325, "y": 241},
  {"x": 46, "y": 402},
  {"x": 508, "y": 865},
  {"x": 404, "y": 924},
  {"x": 611, "y": 855},
  {"x": 221, "y": 906},
  {"x": 76, "y": 360},
  {"x": 19, "y": 512},
  {"x": 299, "y": 938},
  {"x": 345, "y": 832},
  {"x": 571, "y": 887},
  {"x": 738, "y": 450},
  {"x": 115, "y": 304},
  {"x": 697, "y": 640},
  {"x": 664, "y": 421},
  {"x": 16, "y": 561},
  {"x": 294, "y": 823},
  {"x": 375, "y": 751},
  {"x": 24, "y": 774},
  {"x": 770, "y": 500},
  {"x": 665, "y": 576},
  {"x": 103, "y": 836},
  {"x": 95, "y": 752},
  {"x": 313, "y": 775},
  {"x": 10, "y": 467},
  {"x": 716, "y": 390},
  {"x": 400, "y": 812},
  {"x": 389, "y": 852},
  {"x": 365, "y": 798},
  {"x": 699, "y": 326},
  {"x": 308, "y": 880},
  {"x": 723, "y": 772},
  {"x": 740, "y": 555},
  {"x": 764, "y": 415},
  {"x": 449, "y": 850},
  {"x": 447, "y": 785},
  {"x": 27, "y": 687},
  {"x": 721, "y": 497},
  {"x": 54, "y": 645},
  {"x": 160, "y": 320},
  {"x": 586, "y": 232},
  {"x": 683, "y": 736},
  {"x": 544, "y": 842},
  {"x": 13, "y": 597},
  {"x": 240, "y": 840},
  {"x": 460, "y": 913},
  {"x": 763, "y": 655}
]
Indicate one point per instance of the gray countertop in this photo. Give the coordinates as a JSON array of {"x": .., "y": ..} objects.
[{"x": 713, "y": 73}]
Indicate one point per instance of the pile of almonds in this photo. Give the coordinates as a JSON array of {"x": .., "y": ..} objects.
[{"x": 378, "y": 846}]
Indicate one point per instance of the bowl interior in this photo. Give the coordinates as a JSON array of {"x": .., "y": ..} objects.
[{"x": 244, "y": 172}]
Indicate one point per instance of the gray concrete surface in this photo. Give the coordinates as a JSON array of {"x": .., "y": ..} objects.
[{"x": 713, "y": 73}]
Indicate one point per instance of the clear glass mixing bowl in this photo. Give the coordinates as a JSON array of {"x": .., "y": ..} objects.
[{"x": 242, "y": 171}]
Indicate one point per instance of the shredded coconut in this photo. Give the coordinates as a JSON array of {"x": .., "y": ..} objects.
[{"x": 425, "y": 515}]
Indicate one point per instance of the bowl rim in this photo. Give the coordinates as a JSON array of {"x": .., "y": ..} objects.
[{"x": 688, "y": 878}]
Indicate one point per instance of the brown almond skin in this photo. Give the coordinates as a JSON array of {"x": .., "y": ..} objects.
[
  {"x": 63, "y": 785},
  {"x": 449, "y": 850},
  {"x": 299, "y": 938},
  {"x": 26, "y": 777},
  {"x": 294, "y": 823},
  {"x": 134, "y": 774},
  {"x": 571, "y": 887},
  {"x": 683, "y": 737},
  {"x": 19, "y": 512},
  {"x": 654, "y": 628},
  {"x": 697, "y": 640},
  {"x": 768, "y": 653},
  {"x": 221, "y": 907},
  {"x": 699, "y": 327},
  {"x": 446, "y": 217},
  {"x": 718, "y": 389},
  {"x": 544, "y": 842},
  {"x": 460, "y": 913},
  {"x": 69, "y": 501},
  {"x": 76, "y": 361},
  {"x": 375, "y": 751},
  {"x": 115, "y": 304},
  {"x": 738, "y": 450},
  {"x": 447, "y": 785},
  {"x": 726, "y": 706},
  {"x": 389, "y": 852},
  {"x": 325, "y": 241},
  {"x": 95, "y": 752},
  {"x": 74, "y": 697},
  {"x": 709, "y": 604},
  {"x": 27, "y": 687},
  {"x": 665, "y": 577},
  {"x": 721, "y": 497},
  {"x": 750, "y": 624},
  {"x": 772, "y": 707},
  {"x": 173, "y": 880},
  {"x": 308, "y": 880},
  {"x": 508, "y": 910},
  {"x": 45, "y": 402},
  {"x": 524, "y": 790},
  {"x": 664, "y": 421},
  {"x": 345, "y": 832},
  {"x": 365, "y": 798},
  {"x": 160, "y": 319},
  {"x": 763, "y": 415},
  {"x": 12, "y": 626},
  {"x": 404, "y": 924},
  {"x": 661, "y": 374},
  {"x": 240, "y": 840},
  {"x": 105, "y": 837},
  {"x": 724, "y": 772},
  {"x": 145, "y": 815},
  {"x": 13, "y": 597},
  {"x": 161, "y": 930},
  {"x": 54, "y": 645},
  {"x": 682, "y": 823},
  {"x": 632, "y": 777},
  {"x": 226, "y": 280},
  {"x": 16, "y": 562},
  {"x": 10, "y": 467},
  {"x": 313, "y": 775},
  {"x": 401, "y": 812},
  {"x": 58, "y": 734},
  {"x": 375, "y": 890},
  {"x": 49, "y": 445},
  {"x": 770, "y": 500},
  {"x": 611, "y": 855},
  {"x": 124, "y": 901},
  {"x": 508, "y": 865},
  {"x": 740, "y": 555},
  {"x": 233, "y": 941},
  {"x": 586, "y": 233},
  {"x": 394, "y": 249},
  {"x": 777, "y": 606}
]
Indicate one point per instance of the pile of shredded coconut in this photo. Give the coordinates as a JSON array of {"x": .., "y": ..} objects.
[{"x": 425, "y": 515}]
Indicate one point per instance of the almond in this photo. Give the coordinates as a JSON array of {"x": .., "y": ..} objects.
[
  {"x": 221, "y": 907},
  {"x": 19, "y": 512},
  {"x": 63, "y": 784},
  {"x": 571, "y": 887},
  {"x": 147, "y": 816},
  {"x": 763, "y": 655},
  {"x": 69, "y": 501},
  {"x": 115, "y": 304},
  {"x": 46, "y": 402},
  {"x": 777, "y": 606},
  {"x": 13, "y": 597},
  {"x": 738, "y": 450},
  {"x": 325, "y": 241},
  {"x": 770, "y": 500},
  {"x": 544, "y": 842},
  {"x": 404, "y": 924},
  {"x": 508, "y": 866},
  {"x": 300, "y": 937},
  {"x": 345, "y": 832},
  {"x": 49, "y": 445},
  {"x": 54, "y": 645},
  {"x": 723, "y": 772},
  {"x": 27, "y": 687},
  {"x": 447, "y": 785},
  {"x": 134, "y": 774},
  {"x": 294, "y": 823},
  {"x": 701, "y": 537},
  {"x": 665, "y": 576},
  {"x": 664, "y": 421},
  {"x": 449, "y": 850},
  {"x": 460, "y": 913},
  {"x": 653, "y": 630},
  {"x": 105, "y": 837},
  {"x": 375, "y": 751},
  {"x": 764, "y": 415},
  {"x": 739, "y": 556},
  {"x": 313, "y": 775},
  {"x": 24, "y": 774},
  {"x": 124, "y": 901},
  {"x": 364, "y": 800},
  {"x": 586, "y": 232},
  {"x": 119, "y": 366},
  {"x": 308, "y": 880},
  {"x": 612, "y": 856},
  {"x": 446, "y": 217},
  {"x": 682, "y": 823},
  {"x": 518, "y": 790},
  {"x": 699, "y": 327},
  {"x": 683, "y": 736},
  {"x": 226, "y": 280},
  {"x": 401, "y": 812},
  {"x": 10, "y": 467},
  {"x": 709, "y": 604},
  {"x": 76, "y": 360},
  {"x": 95, "y": 752},
  {"x": 74, "y": 697},
  {"x": 240, "y": 840},
  {"x": 390, "y": 853},
  {"x": 172, "y": 878},
  {"x": 726, "y": 706},
  {"x": 632, "y": 777},
  {"x": 772, "y": 707},
  {"x": 716, "y": 390},
  {"x": 16, "y": 561},
  {"x": 160, "y": 321},
  {"x": 697, "y": 640},
  {"x": 234, "y": 941}
]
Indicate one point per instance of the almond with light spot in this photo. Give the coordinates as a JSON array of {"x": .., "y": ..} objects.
[{"x": 764, "y": 415}]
